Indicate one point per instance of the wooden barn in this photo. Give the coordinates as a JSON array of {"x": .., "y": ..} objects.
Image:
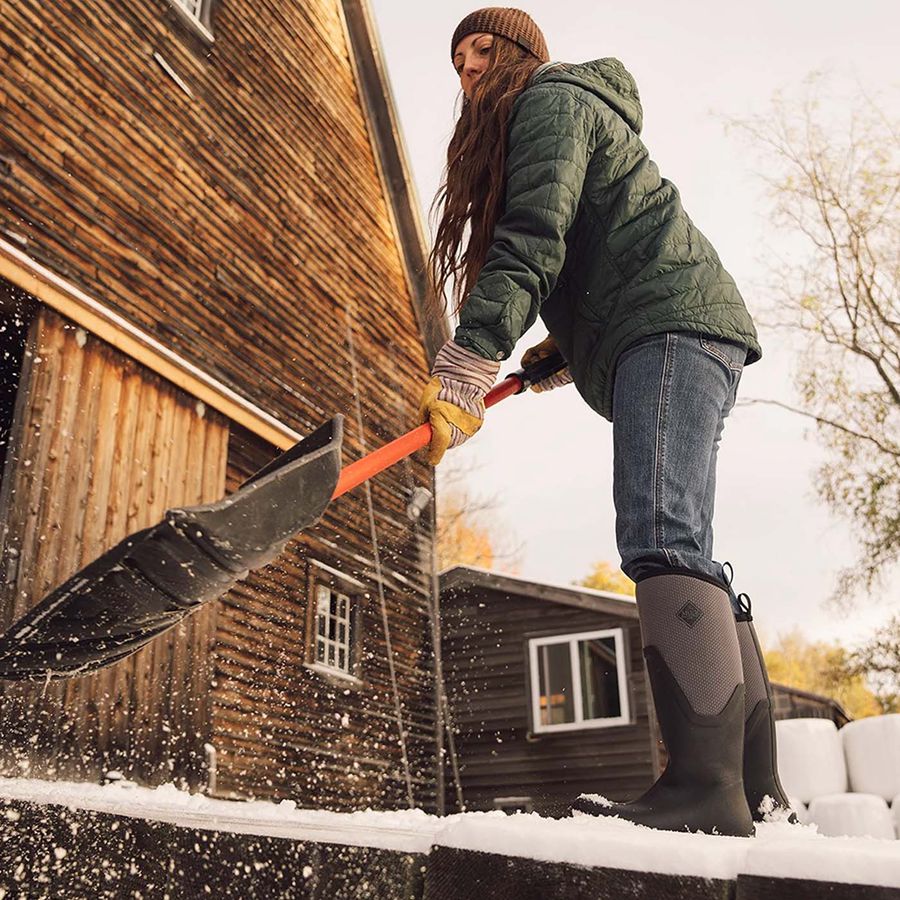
[
  {"x": 548, "y": 696},
  {"x": 209, "y": 245}
]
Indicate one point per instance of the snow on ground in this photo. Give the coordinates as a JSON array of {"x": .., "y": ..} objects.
[
  {"x": 789, "y": 851},
  {"x": 586, "y": 841},
  {"x": 408, "y": 831},
  {"x": 779, "y": 850}
]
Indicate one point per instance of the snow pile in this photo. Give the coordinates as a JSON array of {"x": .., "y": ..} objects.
[
  {"x": 588, "y": 841},
  {"x": 779, "y": 850},
  {"x": 872, "y": 751},
  {"x": 852, "y": 815},
  {"x": 790, "y": 851},
  {"x": 801, "y": 810},
  {"x": 408, "y": 831},
  {"x": 810, "y": 758}
]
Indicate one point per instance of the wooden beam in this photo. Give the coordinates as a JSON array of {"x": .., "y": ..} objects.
[{"x": 73, "y": 303}]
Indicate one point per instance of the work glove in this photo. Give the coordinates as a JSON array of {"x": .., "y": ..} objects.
[
  {"x": 453, "y": 400},
  {"x": 545, "y": 348}
]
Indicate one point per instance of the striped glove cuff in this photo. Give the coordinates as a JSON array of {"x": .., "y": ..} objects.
[
  {"x": 465, "y": 377},
  {"x": 556, "y": 380}
]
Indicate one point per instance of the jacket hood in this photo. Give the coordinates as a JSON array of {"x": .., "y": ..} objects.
[{"x": 607, "y": 78}]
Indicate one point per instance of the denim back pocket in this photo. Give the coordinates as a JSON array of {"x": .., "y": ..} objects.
[{"x": 732, "y": 356}]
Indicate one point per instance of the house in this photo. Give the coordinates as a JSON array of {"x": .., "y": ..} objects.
[
  {"x": 547, "y": 695},
  {"x": 209, "y": 244},
  {"x": 546, "y": 690}
]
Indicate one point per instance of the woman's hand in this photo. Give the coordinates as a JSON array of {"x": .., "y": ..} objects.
[
  {"x": 545, "y": 348},
  {"x": 453, "y": 400}
]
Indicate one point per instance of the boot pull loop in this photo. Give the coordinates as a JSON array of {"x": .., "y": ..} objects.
[
  {"x": 728, "y": 573},
  {"x": 746, "y": 608}
]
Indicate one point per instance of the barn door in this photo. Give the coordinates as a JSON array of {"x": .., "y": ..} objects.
[{"x": 100, "y": 448}]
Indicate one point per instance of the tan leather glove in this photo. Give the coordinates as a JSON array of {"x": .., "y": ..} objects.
[
  {"x": 545, "y": 348},
  {"x": 453, "y": 400}
]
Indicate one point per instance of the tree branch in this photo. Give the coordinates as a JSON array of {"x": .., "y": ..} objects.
[{"x": 821, "y": 420}]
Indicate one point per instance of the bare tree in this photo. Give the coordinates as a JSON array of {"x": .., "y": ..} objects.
[
  {"x": 834, "y": 190},
  {"x": 878, "y": 661}
]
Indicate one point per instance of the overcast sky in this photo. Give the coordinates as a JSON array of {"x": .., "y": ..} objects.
[{"x": 548, "y": 458}]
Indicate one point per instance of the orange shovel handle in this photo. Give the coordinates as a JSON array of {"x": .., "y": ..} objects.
[{"x": 383, "y": 458}]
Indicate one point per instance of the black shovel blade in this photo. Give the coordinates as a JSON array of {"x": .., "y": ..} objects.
[{"x": 153, "y": 578}]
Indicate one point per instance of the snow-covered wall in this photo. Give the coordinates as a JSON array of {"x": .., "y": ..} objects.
[{"x": 778, "y": 851}]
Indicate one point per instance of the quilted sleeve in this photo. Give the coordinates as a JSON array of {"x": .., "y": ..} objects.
[{"x": 550, "y": 144}]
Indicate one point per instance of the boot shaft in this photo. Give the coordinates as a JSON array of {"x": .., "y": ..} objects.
[
  {"x": 694, "y": 664},
  {"x": 761, "y": 783},
  {"x": 689, "y": 620}
]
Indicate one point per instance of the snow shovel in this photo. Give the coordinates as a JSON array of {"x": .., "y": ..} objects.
[{"x": 152, "y": 579}]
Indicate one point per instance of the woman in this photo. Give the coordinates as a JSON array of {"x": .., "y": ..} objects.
[{"x": 570, "y": 220}]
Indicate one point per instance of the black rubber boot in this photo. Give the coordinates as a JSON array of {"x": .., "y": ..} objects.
[
  {"x": 687, "y": 626},
  {"x": 765, "y": 795}
]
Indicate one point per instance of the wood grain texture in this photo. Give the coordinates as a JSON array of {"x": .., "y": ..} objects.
[
  {"x": 244, "y": 227},
  {"x": 283, "y": 730},
  {"x": 235, "y": 226},
  {"x": 104, "y": 450}
]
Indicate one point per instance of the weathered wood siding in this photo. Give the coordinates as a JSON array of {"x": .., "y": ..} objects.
[
  {"x": 245, "y": 227},
  {"x": 238, "y": 225},
  {"x": 281, "y": 729},
  {"x": 102, "y": 449},
  {"x": 485, "y": 653}
]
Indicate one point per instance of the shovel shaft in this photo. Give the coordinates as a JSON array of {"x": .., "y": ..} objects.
[{"x": 384, "y": 457}]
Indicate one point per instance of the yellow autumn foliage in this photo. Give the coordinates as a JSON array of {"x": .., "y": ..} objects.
[
  {"x": 462, "y": 539},
  {"x": 821, "y": 668},
  {"x": 608, "y": 577}
]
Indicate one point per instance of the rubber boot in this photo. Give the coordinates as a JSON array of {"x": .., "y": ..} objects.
[
  {"x": 694, "y": 664},
  {"x": 765, "y": 795}
]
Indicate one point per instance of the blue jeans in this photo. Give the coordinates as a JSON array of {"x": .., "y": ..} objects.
[{"x": 671, "y": 396}]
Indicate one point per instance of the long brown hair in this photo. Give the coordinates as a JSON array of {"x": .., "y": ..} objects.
[{"x": 475, "y": 177}]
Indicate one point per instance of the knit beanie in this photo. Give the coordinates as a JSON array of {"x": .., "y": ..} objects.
[{"x": 514, "y": 24}]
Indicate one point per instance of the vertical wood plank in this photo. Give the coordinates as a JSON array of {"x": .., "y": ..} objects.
[
  {"x": 123, "y": 473},
  {"x": 114, "y": 448},
  {"x": 184, "y": 223}
]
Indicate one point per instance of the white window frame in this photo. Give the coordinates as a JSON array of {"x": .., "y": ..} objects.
[
  {"x": 199, "y": 19},
  {"x": 195, "y": 13},
  {"x": 347, "y": 645},
  {"x": 580, "y": 723}
]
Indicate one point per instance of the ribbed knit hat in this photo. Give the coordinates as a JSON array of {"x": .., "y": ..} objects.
[{"x": 510, "y": 23}]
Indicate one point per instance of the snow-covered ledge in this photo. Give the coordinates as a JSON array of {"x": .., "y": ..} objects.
[
  {"x": 407, "y": 831},
  {"x": 778, "y": 851}
]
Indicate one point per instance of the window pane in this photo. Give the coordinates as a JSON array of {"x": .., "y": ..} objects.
[
  {"x": 555, "y": 680},
  {"x": 332, "y": 629},
  {"x": 599, "y": 678},
  {"x": 335, "y": 628}
]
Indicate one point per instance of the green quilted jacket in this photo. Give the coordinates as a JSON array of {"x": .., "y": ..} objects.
[{"x": 592, "y": 238}]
